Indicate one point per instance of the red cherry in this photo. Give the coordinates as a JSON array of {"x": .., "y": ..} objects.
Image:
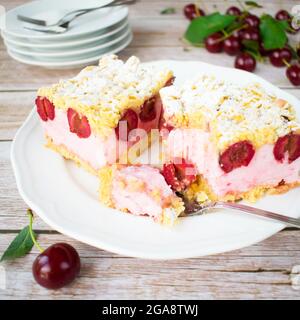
[
  {"x": 249, "y": 34},
  {"x": 234, "y": 11},
  {"x": 41, "y": 108},
  {"x": 245, "y": 61},
  {"x": 283, "y": 15},
  {"x": 84, "y": 129},
  {"x": 130, "y": 122},
  {"x": 238, "y": 155},
  {"x": 288, "y": 144},
  {"x": 294, "y": 147},
  {"x": 191, "y": 13},
  {"x": 179, "y": 174},
  {"x": 78, "y": 125},
  {"x": 281, "y": 147},
  {"x": 278, "y": 57},
  {"x": 293, "y": 74},
  {"x": 57, "y": 266},
  {"x": 232, "y": 45},
  {"x": 213, "y": 43},
  {"x": 148, "y": 112},
  {"x": 252, "y": 20},
  {"x": 45, "y": 108}
]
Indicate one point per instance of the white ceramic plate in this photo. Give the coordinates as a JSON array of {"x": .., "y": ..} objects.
[
  {"x": 65, "y": 197},
  {"x": 87, "y": 24},
  {"x": 76, "y": 61},
  {"x": 61, "y": 45},
  {"x": 68, "y": 54}
]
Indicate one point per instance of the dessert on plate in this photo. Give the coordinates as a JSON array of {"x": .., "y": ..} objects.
[
  {"x": 239, "y": 141},
  {"x": 139, "y": 190},
  {"x": 92, "y": 117}
]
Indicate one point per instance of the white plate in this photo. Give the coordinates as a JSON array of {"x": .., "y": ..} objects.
[
  {"x": 87, "y": 24},
  {"x": 48, "y": 45},
  {"x": 68, "y": 54},
  {"x": 79, "y": 61},
  {"x": 65, "y": 197}
]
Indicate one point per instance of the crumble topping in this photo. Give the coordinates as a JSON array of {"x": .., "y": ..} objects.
[
  {"x": 104, "y": 92},
  {"x": 231, "y": 112}
]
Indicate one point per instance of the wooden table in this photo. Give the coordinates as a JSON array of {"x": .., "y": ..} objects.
[{"x": 260, "y": 271}]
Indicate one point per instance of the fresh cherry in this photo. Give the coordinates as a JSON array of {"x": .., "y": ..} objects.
[
  {"x": 252, "y": 21},
  {"x": 278, "y": 57},
  {"x": 232, "y": 45},
  {"x": 289, "y": 144},
  {"x": 250, "y": 33},
  {"x": 179, "y": 174},
  {"x": 45, "y": 108},
  {"x": 190, "y": 11},
  {"x": 148, "y": 112},
  {"x": 234, "y": 11},
  {"x": 237, "y": 155},
  {"x": 213, "y": 43},
  {"x": 57, "y": 266},
  {"x": 282, "y": 15},
  {"x": 245, "y": 62},
  {"x": 130, "y": 121},
  {"x": 293, "y": 74},
  {"x": 77, "y": 124}
]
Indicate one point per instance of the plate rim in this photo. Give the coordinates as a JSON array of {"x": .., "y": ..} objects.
[
  {"x": 73, "y": 63},
  {"x": 66, "y": 54},
  {"x": 56, "y": 36},
  {"x": 66, "y": 44}
]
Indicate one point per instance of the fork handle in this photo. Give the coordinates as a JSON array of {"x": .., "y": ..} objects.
[
  {"x": 79, "y": 12},
  {"x": 259, "y": 212}
]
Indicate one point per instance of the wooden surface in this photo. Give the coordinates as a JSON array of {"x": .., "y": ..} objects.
[{"x": 262, "y": 271}]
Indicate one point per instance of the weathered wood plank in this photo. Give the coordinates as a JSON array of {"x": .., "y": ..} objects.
[{"x": 256, "y": 272}]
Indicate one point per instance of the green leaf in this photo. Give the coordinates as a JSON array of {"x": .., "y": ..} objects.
[
  {"x": 168, "y": 11},
  {"x": 253, "y": 4},
  {"x": 272, "y": 32},
  {"x": 252, "y": 47},
  {"x": 202, "y": 27},
  {"x": 21, "y": 245}
]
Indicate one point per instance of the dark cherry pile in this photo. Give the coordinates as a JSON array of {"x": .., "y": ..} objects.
[{"x": 233, "y": 45}]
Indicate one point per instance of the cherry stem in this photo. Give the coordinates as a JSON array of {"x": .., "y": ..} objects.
[
  {"x": 30, "y": 214},
  {"x": 227, "y": 35},
  {"x": 286, "y": 63},
  {"x": 241, "y": 5}
]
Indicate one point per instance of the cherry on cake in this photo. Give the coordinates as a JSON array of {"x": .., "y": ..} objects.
[
  {"x": 91, "y": 118},
  {"x": 242, "y": 141}
]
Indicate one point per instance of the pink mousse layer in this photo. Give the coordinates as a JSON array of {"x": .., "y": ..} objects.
[
  {"x": 140, "y": 202},
  {"x": 264, "y": 169},
  {"x": 95, "y": 150}
]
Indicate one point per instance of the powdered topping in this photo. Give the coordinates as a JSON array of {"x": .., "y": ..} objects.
[
  {"x": 231, "y": 112},
  {"x": 105, "y": 91}
]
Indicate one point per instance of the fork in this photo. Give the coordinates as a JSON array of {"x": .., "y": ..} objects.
[
  {"x": 202, "y": 209},
  {"x": 62, "y": 24}
]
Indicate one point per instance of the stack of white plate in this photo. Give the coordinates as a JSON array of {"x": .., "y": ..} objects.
[{"x": 89, "y": 37}]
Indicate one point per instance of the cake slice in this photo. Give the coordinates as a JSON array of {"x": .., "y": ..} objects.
[
  {"x": 93, "y": 118},
  {"x": 241, "y": 141},
  {"x": 140, "y": 190}
]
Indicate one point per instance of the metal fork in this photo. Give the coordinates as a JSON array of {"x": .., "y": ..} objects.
[
  {"x": 63, "y": 23},
  {"x": 201, "y": 209}
]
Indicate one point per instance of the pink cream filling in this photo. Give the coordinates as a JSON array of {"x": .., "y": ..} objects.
[
  {"x": 264, "y": 169},
  {"x": 95, "y": 150},
  {"x": 140, "y": 202}
]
